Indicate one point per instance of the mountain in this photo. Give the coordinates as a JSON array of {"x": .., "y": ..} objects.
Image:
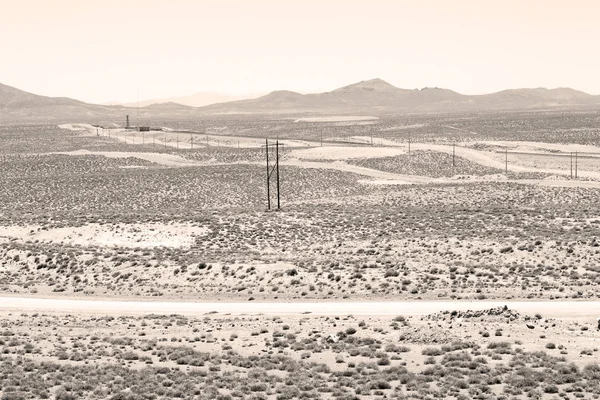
[
  {"x": 18, "y": 105},
  {"x": 373, "y": 96},
  {"x": 13, "y": 99},
  {"x": 379, "y": 96},
  {"x": 169, "y": 106},
  {"x": 194, "y": 100}
]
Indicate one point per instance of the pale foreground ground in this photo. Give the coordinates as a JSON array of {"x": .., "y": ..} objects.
[{"x": 494, "y": 353}]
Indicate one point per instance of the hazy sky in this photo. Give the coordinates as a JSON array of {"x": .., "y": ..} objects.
[{"x": 106, "y": 50}]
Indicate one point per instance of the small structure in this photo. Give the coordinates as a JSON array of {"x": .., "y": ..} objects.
[{"x": 144, "y": 129}]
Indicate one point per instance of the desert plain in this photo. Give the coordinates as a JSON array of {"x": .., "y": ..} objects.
[{"x": 414, "y": 256}]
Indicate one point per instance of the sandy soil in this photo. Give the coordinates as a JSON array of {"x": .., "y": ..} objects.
[
  {"x": 108, "y": 235},
  {"x": 77, "y": 127},
  {"x": 170, "y": 160},
  {"x": 342, "y": 166},
  {"x": 343, "y": 153},
  {"x": 551, "y": 309},
  {"x": 541, "y": 146},
  {"x": 377, "y": 141}
]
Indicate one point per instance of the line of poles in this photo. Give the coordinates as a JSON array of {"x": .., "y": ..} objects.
[{"x": 573, "y": 156}]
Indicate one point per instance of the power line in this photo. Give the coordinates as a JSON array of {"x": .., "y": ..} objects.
[{"x": 273, "y": 170}]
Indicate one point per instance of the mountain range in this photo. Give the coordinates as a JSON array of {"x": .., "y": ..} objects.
[
  {"x": 194, "y": 100},
  {"x": 373, "y": 96}
]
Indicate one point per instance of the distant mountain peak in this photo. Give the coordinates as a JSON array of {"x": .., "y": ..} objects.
[
  {"x": 278, "y": 94},
  {"x": 369, "y": 85}
]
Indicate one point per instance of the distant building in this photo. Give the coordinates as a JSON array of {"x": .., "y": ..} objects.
[{"x": 144, "y": 129}]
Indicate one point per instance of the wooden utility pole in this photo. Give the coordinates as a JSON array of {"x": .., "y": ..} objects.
[
  {"x": 270, "y": 171},
  {"x": 277, "y": 165},
  {"x": 576, "y": 154},
  {"x": 453, "y": 157},
  {"x": 571, "y": 159},
  {"x": 268, "y": 175},
  {"x": 506, "y": 159},
  {"x": 192, "y": 141}
]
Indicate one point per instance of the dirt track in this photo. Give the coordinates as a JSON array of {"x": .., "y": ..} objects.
[{"x": 108, "y": 306}]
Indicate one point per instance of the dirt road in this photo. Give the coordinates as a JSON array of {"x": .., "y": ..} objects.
[
  {"x": 117, "y": 307},
  {"x": 482, "y": 158}
]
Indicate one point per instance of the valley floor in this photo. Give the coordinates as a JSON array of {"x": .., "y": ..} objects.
[{"x": 136, "y": 267}]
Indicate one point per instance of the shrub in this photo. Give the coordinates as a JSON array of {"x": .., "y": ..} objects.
[{"x": 432, "y": 352}]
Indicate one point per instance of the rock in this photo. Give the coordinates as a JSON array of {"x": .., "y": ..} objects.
[{"x": 530, "y": 326}]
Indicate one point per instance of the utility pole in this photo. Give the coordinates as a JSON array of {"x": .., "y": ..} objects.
[
  {"x": 268, "y": 175},
  {"x": 409, "y": 142},
  {"x": 571, "y": 159},
  {"x": 453, "y": 158},
  {"x": 165, "y": 140},
  {"x": 270, "y": 171},
  {"x": 506, "y": 159},
  {"x": 277, "y": 164},
  {"x": 576, "y": 154},
  {"x": 192, "y": 141}
]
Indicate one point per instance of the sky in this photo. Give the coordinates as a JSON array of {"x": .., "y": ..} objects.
[{"x": 129, "y": 50}]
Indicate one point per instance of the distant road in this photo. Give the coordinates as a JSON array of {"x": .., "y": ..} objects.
[{"x": 113, "y": 307}]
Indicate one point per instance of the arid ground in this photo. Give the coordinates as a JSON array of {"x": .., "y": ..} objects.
[{"x": 479, "y": 208}]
